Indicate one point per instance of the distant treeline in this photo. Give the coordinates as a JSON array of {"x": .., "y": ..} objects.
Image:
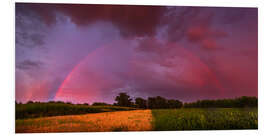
[
  {"x": 224, "y": 103},
  {"x": 124, "y": 102},
  {"x": 151, "y": 103},
  {"x": 44, "y": 109},
  {"x": 162, "y": 103}
]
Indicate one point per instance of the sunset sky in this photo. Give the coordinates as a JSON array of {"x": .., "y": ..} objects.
[{"x": 90, "y": 53}]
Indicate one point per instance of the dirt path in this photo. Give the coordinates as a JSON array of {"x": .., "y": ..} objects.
[{"x": 138, "y": 120}]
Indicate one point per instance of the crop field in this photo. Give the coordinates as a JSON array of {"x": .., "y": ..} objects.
[
  {"x": 35, "y": 110},
  {"x": 144, "y": 120},
  {"x": 205, "y": 119},
  {"x": 138, "y": 120}
]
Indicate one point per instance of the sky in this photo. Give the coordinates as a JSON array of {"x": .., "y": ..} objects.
[{"x": 89, "y": 53}]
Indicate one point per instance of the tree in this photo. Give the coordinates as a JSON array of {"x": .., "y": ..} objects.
[
  {"x": 141, "y": 103},
  {"x": 30, "y": 102},
  {"x": 157, "y": 102},
  {"x": 161, "y": 102},
  {"x": 123, "y": 100},
  {"x": 174, "y": 103},
  {"x": 151, "y": 103}
]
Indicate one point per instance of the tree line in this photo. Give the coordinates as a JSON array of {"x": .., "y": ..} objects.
[
  {"x": 151, "y": 103},
  {"x": 158, "y": 102},
  {"x": 240, "y": 102}
]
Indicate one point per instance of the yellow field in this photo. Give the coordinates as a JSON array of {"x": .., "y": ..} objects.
[{"x": 138, "y": 120}]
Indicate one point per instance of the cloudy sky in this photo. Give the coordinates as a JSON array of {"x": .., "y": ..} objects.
[{"x": 90, "y": 53}]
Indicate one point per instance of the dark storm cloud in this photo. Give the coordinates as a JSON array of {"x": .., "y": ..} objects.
[
  {"x": 195, "y": 24},
  {"x": 29, "y": 28},
  {"x": 131, "y": 20},
  {"x": 29, "y": 40},
  {"x": 178, "y": 20},
  {"x": 28, "y": 65}
]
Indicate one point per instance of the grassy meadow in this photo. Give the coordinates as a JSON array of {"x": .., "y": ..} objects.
[
  {"x": 153, "y": 114},
  {"x": 205, "y": 119},
  {"x": 35, "y": 110},
  {"x": 142, "y": 120}
]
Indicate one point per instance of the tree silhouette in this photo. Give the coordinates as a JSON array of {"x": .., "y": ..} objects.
[
  {"x": 240, "y": 102},
  {"x": 123, "y": 100},
  {"x": 141, "y": 103},
  {"x": 174, "y": 103},
  {"x": 30, "y": 102},
  {"x": 157, "y": 102}
]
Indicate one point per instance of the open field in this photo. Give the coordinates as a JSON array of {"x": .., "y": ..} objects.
[
  {"x": 137, "y": 120},
  {"x": 145, "y": 120},
  {"x": 205, "y": 119},
  {"x": 35, "y": 110}
]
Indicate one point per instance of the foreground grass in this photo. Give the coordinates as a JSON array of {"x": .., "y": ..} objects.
[
  {"x": 137, "y": 120},
  {"x": 205, "y": 119},
  {"x": 35, "y": 110},
  {"x": 144, "y": 120}
]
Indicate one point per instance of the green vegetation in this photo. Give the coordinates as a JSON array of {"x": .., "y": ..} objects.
[
  {"x": 38, "y": 109},
  {"x": 100, "y": 104},
  {"x": 224, "y": 103},
  {"x": 163, "y": 103},
  {"x": 158, "y": 102},
  {"x": 205, "y": 119},
  {"x": 123, "y": 100},
  {"x": 141, "y": 103}
]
